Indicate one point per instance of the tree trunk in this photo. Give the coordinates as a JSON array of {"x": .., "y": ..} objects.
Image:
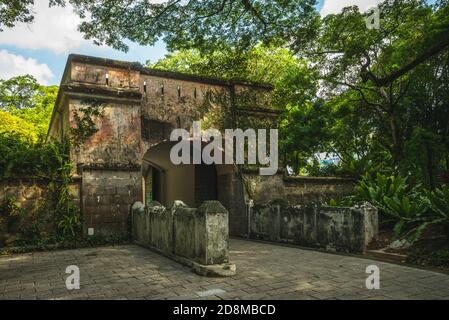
[
  {"x": 397, "y": 148},
  {"x": 430, "y": 172}
]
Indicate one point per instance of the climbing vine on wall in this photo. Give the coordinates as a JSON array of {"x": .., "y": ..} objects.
[
  {"x": 85, "y": 118},
  {"x": 67, "y": 213}
]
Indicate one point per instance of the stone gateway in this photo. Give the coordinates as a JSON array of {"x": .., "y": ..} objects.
[
  {"x": 119, "y": 117},
  {"x": 126, "y": 158}
]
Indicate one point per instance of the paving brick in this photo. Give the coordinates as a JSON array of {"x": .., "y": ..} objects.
[{"x": 264, "y": 271}]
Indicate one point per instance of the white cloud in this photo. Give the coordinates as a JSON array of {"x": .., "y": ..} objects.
[
  {"x": 53, "y": 28},
  {"x": 335, "y": 6},
  {"x": 13, "y": 65}
]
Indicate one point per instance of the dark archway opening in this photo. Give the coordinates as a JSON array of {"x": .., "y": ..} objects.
[
  {"x": 156, "y": 183},
  {"x": 205, "y": 183}
]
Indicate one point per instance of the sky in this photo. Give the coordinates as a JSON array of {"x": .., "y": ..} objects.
[{"x": 41, "y": 48}]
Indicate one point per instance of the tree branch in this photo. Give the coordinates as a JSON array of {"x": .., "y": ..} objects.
[
  {"x": 380, "y": 82},
  {"x": 248, "y": 5}
]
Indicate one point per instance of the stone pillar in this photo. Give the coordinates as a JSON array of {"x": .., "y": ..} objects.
[
  {"x": 371, "y": 217},
  {"x": 216, "y": 230}
]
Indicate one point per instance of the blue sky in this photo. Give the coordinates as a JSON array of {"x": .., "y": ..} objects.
[{"x": 41, "y": 48}]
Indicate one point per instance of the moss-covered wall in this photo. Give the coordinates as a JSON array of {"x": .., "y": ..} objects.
[{"x": 332, "y": 228}]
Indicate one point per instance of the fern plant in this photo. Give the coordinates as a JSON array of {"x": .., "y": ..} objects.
[
  {"x": 374, "y": 190},
  {"x": 437, "y": 213}
]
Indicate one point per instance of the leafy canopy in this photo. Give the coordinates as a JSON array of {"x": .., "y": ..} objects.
[{"x": 23, "y": 98}]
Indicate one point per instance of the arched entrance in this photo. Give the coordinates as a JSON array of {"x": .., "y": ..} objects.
[
  {"x": 165, "y": 182},
  {"x": 193, "y": 184}
]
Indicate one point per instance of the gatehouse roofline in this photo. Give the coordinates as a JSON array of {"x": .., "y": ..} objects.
[
  {"x": 137, "y": 66},
  {"x": 68, "y": 87}
]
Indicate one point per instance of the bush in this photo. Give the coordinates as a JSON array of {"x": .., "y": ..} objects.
[
  {"x": 411, "y": 210},
  {"x": 22, "y": 158},
  {"x": 55, "y": 216}
]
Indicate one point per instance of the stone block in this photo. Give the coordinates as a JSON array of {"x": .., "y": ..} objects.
[{"x": 197, "y": 237}]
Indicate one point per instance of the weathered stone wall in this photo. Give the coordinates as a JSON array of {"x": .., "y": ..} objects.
[
  {"x": 341, "y": 229},
  {"x": 200, "y": 235},
  {"x": 119, "y": 76},
  {"x": 231, "y": 194},
  {"x": 117, "y": 139},
  {"x": 176, "y": 102},
  {"x": 316, "y": 189},
  {"x": 263, "y": 189},
  {"x": 107, "y": 197},
  {"x": 32, "y": 198},
  {"x": 171, "y": 100}
]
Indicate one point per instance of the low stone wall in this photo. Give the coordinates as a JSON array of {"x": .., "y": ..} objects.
[
  {"x": 333, "y": 228},
  {"x": 30, "y": 198},
  {"x": 196, "y": 237},
  {"x": 24, "y": 191},
  {"x": 316, "y": 189},
  {"x": 295, "y": 189}
]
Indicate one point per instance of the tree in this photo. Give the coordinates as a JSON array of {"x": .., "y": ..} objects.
[
  {"x": 294, "y": 82},
  {"x": 241, "y": 24},
  {"x": 197, "y": 23},
  {"x": 14, "y": 11},
  {"x": 24, "y": 98},
  {"x": 18, "y": 93},
  {"x": 375, "y": 63},
  {"x": 14, "y": 126}
]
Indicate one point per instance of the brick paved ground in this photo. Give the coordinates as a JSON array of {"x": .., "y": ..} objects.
[{"x": 264, "y": 271}]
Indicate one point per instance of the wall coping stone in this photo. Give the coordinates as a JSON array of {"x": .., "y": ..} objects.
[{"x": 317, "y": 179}]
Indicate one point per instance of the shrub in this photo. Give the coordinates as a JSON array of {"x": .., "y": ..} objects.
[{"x": 410, "y": 209}]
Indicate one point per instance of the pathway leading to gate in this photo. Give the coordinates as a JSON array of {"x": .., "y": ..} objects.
[{"x": 264, "y": 271}]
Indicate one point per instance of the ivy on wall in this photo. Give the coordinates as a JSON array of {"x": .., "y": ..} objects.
[{"x": 85, "y": 120}]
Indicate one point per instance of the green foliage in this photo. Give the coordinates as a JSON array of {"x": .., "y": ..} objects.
[
  {"x": 13, "y": 11},
  {"x": 49, "y": 162},
  {"x": 18, "y": 93},
  {"x": 399, "y": 202},
  {"x": 205, "y": 24},
  {"x": 411, "y": 209},
  {"x": 25, "y": 112},
  {"x": 438, "y": 202},
  {"x": 23, "y": 98},
  {"x": 66, "y": 213},
  {"x": 303, "y": 130},
  {"x": 23, "y": 159},
  {"x": 70, "y": 223},
  {"x": 434, "y": 257},
  {"x": 13, "y": 126},
  {"x": 9, "y": 207},
  {"x": 9, "y": 211},
  {"x": 437, "y": 213},
  {"x": 376, "y": 189},
  {"x": 390, "y": 83}
]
